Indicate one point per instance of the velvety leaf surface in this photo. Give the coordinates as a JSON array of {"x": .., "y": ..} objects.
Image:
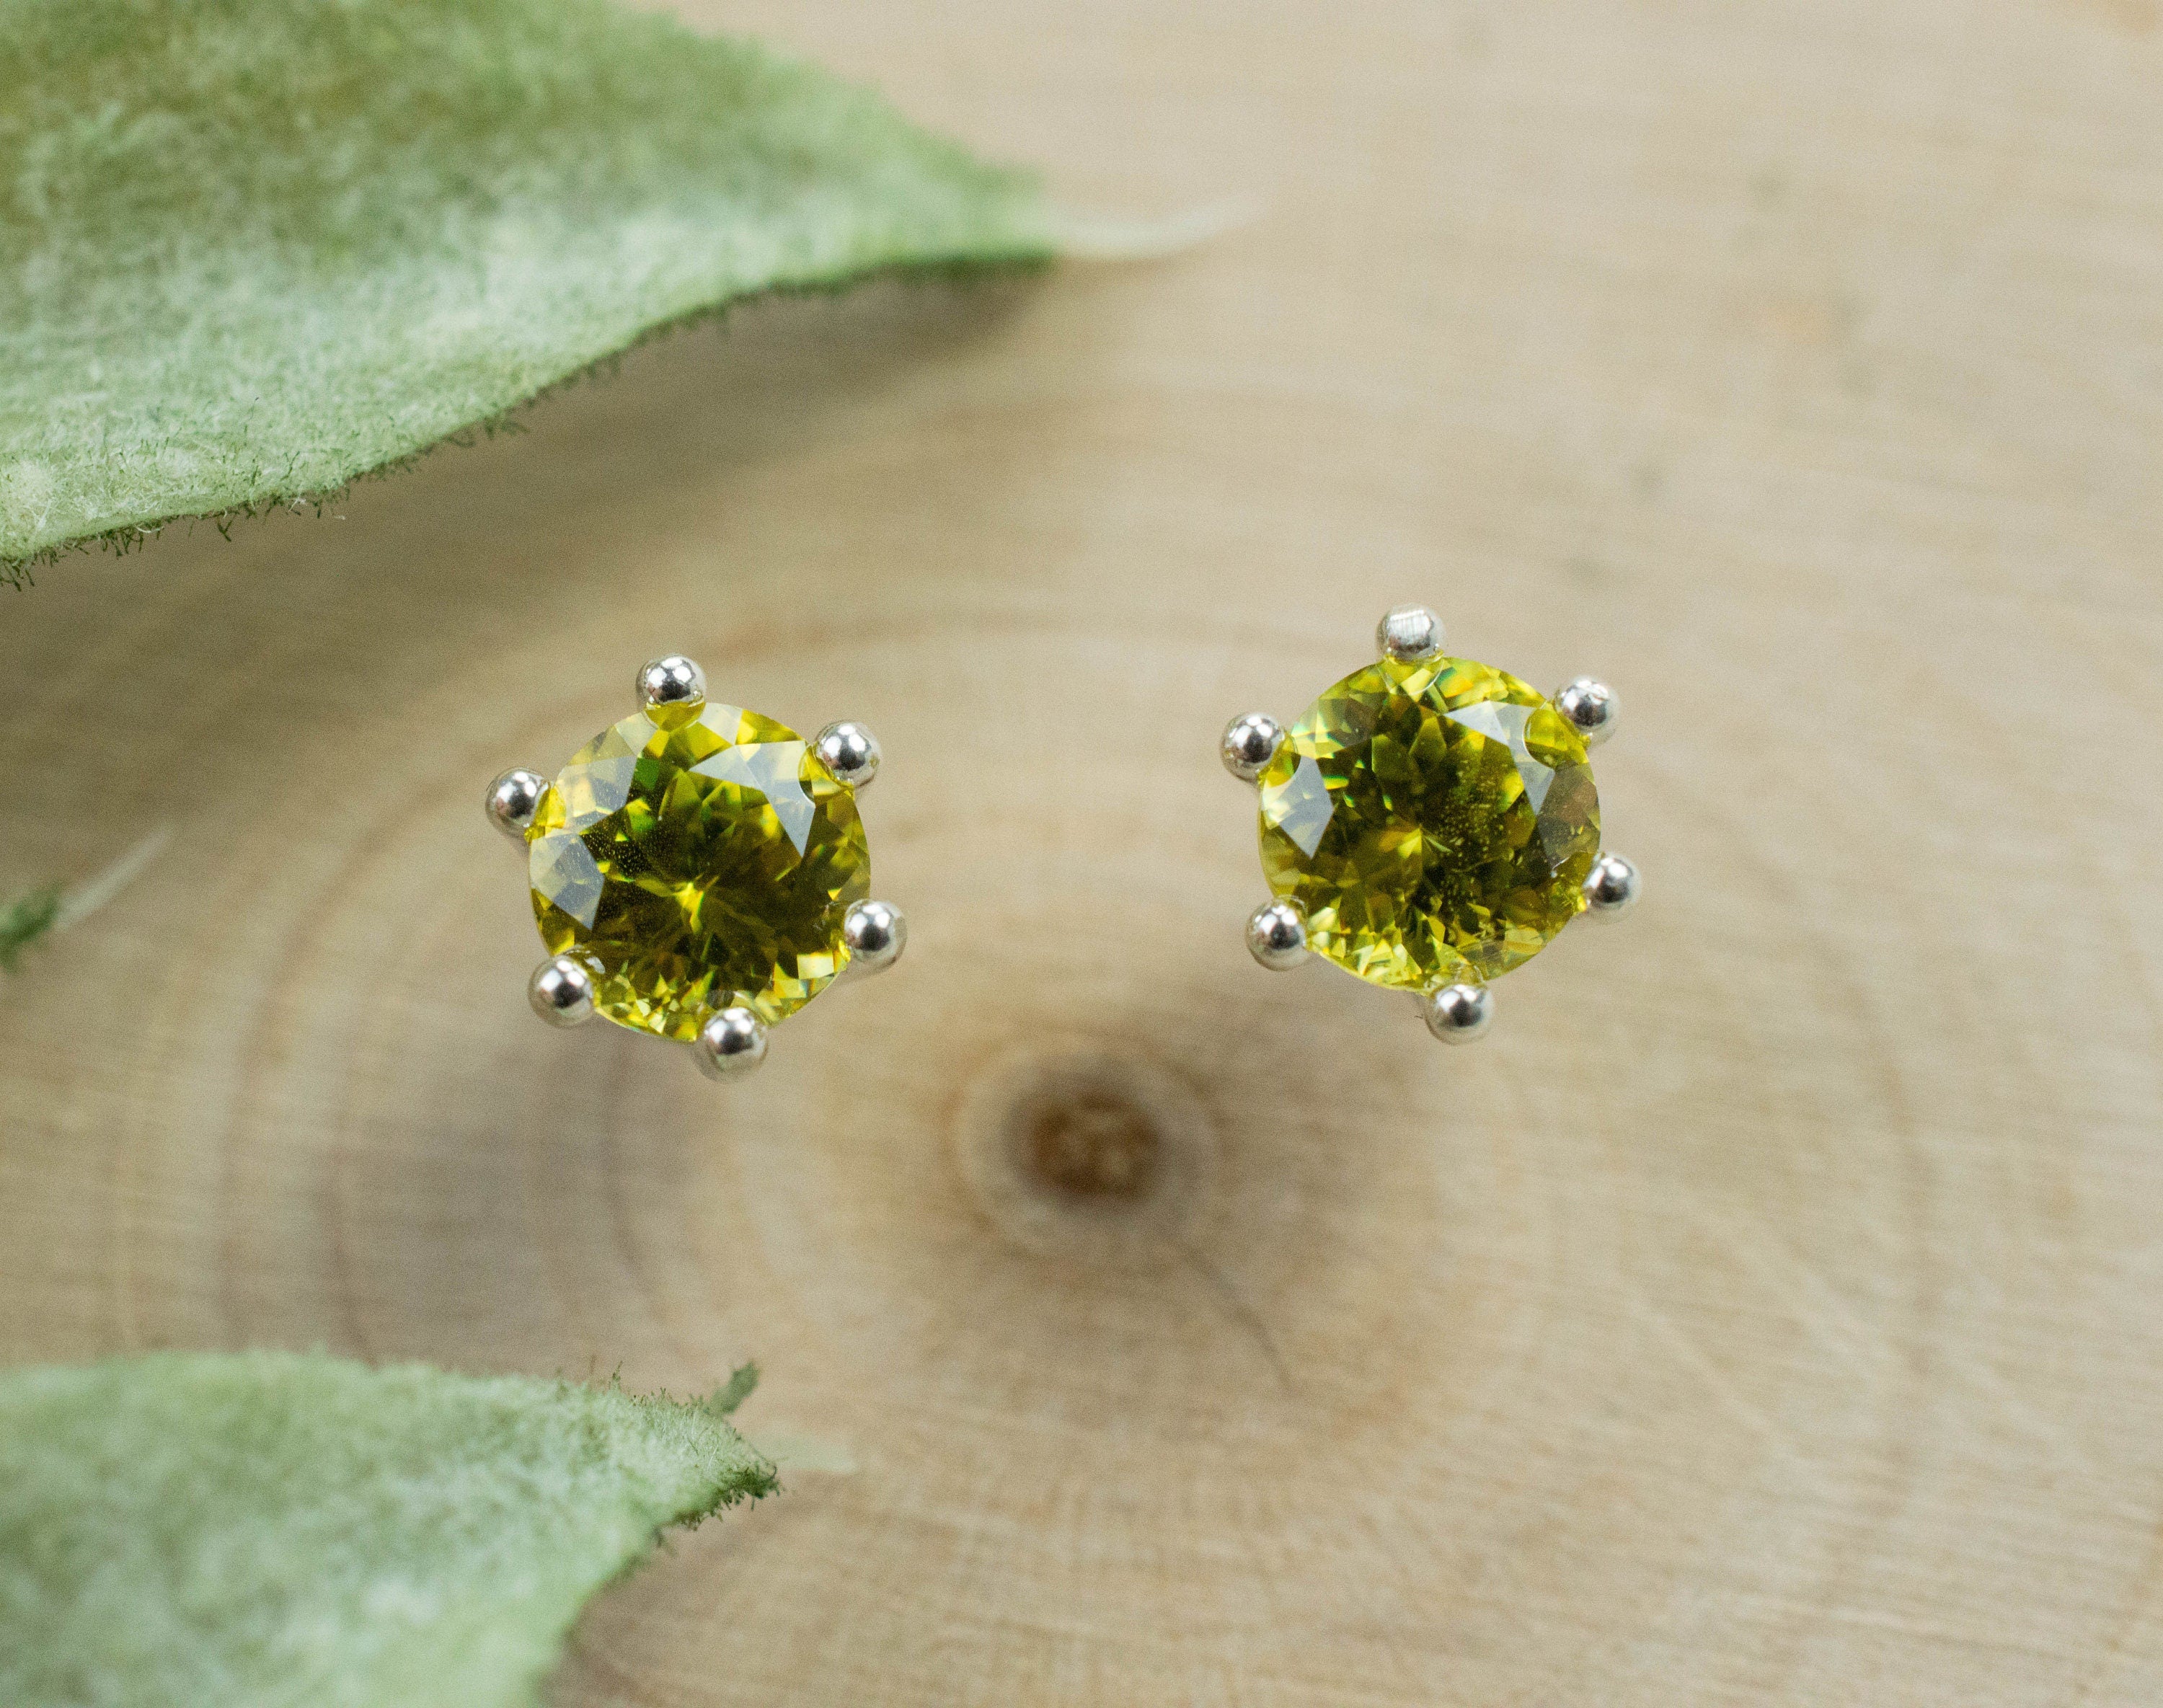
[
  {"x": 273, "y": 1528},
  {"x": 251, "y": 248}
]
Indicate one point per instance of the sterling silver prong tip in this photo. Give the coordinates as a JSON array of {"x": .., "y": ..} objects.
[
  {"x": 1611, "y": 888},
  {"x": 1591, "y": 706},
  {"x": 731, "y": 1045},
  {"x": 562, "y": 991},
  {"x": 1249, "y": 743},
  {"x": 850, "y": 752},
  {"x": 1276, "y": 936},
  {"x": 512, "y": 800},
  {"x": 674, "y": 680},
  {"x": 1411, "y": 634},
  {"x": 876, "y": 934},
  {"x": 1458, "y": 1014}
]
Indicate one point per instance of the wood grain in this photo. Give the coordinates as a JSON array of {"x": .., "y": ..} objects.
[{"x": 1767, "y": 1313}]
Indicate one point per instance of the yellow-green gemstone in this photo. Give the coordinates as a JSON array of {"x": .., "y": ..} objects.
[
  {"x": 697, "y": 859},
  {"x": 1433, "y": 821}
]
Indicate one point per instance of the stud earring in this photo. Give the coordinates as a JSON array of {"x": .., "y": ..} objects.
[
  {"x": 698, "y": 871},
  {"x": 1429, "y": 824}
]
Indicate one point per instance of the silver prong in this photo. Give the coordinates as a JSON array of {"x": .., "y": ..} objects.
[
  {"x": 731, "y": 1045},
  {"x": 1611, "y": 888},
  {"x": 1591, "y": 706},
  {"x": 1458, "y": 1014},
  {"x": 1277, "y": 935},
  {"x": 1249, "y": 743},
  {"x": 876, "y": 934},
  {"x": 562, "y": 991},
  {"x": 512, "y": 798},
  {"x": 850, "y": 752},
  {"x": 1411, "y": 634},
  {"x": 673, "y": 681}
]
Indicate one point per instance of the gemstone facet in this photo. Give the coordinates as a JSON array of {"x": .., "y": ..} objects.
[
  {"x": 696, "y": 858},
  {"x": 1434, "y": 819}
]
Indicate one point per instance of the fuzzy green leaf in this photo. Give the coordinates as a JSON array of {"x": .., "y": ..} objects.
[
  {"x": 252, "y": 248},
  {"x": 272, "y": 1528}
]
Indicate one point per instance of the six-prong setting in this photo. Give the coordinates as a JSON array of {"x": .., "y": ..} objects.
[
  {"x": 511, "y": 801},
  {"x": 1430, "y": 823},
  {"x": 1249, "y": 742},
  {"x": 731, "y": 1041},
  {"x": 850, "y": 752},
  {"x": 697, "y": 871}
]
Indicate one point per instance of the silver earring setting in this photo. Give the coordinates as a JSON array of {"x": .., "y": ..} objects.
[
  {"x": 1429, "y": 824},
  {"x": 700, "y": 871}
]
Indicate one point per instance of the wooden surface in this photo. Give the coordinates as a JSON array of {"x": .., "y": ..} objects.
[{"x": 1767, "y": 1313}]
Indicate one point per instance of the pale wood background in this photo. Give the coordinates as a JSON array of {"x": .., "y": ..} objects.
[{"x": 1767, "y": 1314}]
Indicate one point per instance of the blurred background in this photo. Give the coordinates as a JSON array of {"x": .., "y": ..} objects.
[{"x": 1766, "y": 1311}]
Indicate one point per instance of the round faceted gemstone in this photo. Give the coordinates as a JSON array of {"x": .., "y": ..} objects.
[
  {"x": 698, "y": 858},
  {"x": 1433, "y": 821}
]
